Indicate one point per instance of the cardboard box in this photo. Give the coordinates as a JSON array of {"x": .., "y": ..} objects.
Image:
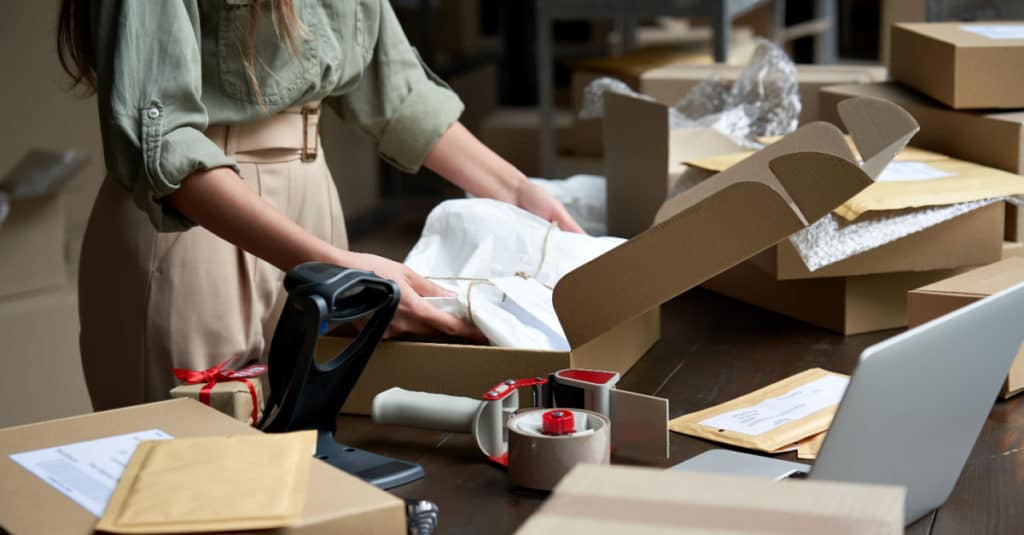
[
  {"x": 963, "y": 65},
  {"x": 606, "y": 500},
  {"x": 335, "y": 503},
  {"x": 42, "y": 373},
  {"x": 940, "y": 298},
  {"x": 32, "y": 255},
  {"x": 608, "y": 307},
  {"x": 991, "y": 138},
  {"x": 514, "y": 133},
  {"x": 845, "y": 305},
  {"x": 644, "y": 158}
]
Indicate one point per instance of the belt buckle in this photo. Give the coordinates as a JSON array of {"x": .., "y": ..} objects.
[{"x": 309, "y": 151}]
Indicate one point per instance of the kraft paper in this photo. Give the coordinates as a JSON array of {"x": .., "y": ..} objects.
[
  {"x": 970, "y": 182},
  {"x": 229, "y": 483},
  {"x": 809, "y": 447},
  {"x": 778, "y": 439}
]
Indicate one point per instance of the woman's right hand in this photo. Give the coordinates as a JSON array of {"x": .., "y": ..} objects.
[{"x": 415, "y": 315}]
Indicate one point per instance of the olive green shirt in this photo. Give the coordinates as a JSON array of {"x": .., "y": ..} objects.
[{"x": 169, "y": 68}]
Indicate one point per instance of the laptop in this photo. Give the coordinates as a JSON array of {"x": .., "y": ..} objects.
[{"x": 913, "y": 409}]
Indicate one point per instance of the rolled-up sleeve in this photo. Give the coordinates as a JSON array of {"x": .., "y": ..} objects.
[
  {"x": 152, "y": 119},
  {"x": 398, "y": 100}
]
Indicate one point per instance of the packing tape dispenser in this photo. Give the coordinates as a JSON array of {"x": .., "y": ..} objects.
[{"x": 502, "y": 430}]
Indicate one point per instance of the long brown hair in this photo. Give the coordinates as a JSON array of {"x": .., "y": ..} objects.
[{"x": 77, "y": 56}]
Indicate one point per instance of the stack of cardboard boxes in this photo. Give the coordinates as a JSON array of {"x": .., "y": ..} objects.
[{"x": 867, "y": 292}]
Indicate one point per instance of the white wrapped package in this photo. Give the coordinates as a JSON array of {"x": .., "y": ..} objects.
[
  {"x": 502, "y": 262},
  {"x": 585, "y": 198}
]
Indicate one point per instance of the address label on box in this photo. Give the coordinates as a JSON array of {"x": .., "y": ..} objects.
[
  {"x": 775, "y": 412},
  {"x": 997, "y": 31},
  {"x": 87, "y": 472}
]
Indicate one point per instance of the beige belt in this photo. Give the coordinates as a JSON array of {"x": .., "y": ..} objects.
[{"x": 295, "y": 128}]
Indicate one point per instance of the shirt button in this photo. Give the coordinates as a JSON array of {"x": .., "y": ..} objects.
[{"x": 153, "y": 113}]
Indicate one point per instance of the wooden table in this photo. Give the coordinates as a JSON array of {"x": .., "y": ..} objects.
[{"x": 712, "y": 349}]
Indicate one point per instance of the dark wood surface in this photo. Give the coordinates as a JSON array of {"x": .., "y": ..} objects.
[{"x": 712, "y": 349}]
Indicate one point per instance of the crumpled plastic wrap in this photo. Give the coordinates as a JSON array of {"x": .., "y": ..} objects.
[
  {"x": 585, "y": 197},
  {"x": 832, "y": 239},
  {"x": 763, "y": 101},
  {"x": 502, "y": 263}
]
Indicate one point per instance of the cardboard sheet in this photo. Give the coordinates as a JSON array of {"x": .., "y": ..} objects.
[
  {"x": 808, "y": 448},
  {"x": 613, "y": 500},
  {"x": 773, "y": 417},
  {"x": 204, "y": 484}
]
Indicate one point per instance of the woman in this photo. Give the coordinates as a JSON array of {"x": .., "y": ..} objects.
[{"x": 208, "y": 113}]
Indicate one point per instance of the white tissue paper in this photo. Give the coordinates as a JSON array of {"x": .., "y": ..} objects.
[
  {"x": 502, "y": 262},
  {"x": 585, "y": 198}
]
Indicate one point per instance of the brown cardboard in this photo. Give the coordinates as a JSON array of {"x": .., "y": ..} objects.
[
  {"x": 335, "y": 502},
  {"x": 609, "y": 500},
  {"x": 940, "y": 298},
  {"x": 32, "y": 246},
  {"x": 42, "y": 374},
  {"x": 845, "y": 305},
  {"x": 962, "y": 69},
  {"x": 740, "y": 214},
  {"x": 991, "y": 138},
  {"x": 972, "y": 239},
  {"x": 894, "y": 11}
]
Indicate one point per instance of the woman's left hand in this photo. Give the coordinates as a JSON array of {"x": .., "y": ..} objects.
[{"x": 535, "y": 199}]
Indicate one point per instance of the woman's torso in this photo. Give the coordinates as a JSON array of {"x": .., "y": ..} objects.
[{"x": 332, "y": 52}]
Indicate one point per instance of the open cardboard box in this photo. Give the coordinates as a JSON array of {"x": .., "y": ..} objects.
[
  {"x": 608, "y": 307},
  {"x": 336, "y": 502},
  {"x": 940, "y": 298}
]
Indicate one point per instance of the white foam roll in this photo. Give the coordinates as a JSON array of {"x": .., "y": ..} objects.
[{"x": 539, "y": 461}]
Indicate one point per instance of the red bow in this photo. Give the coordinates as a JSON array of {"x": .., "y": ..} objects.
[{"x": 218, "y": 373}]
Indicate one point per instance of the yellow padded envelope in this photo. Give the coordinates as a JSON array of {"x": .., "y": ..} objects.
[
  {"x": 970, "y": 182},
  {"x": 228, "y": 483}
]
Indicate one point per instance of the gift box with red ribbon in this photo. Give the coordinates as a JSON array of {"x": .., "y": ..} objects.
[{"x": 237, "y": 393}]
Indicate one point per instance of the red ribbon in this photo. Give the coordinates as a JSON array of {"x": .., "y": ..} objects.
[{"x": 218, "y": 373}]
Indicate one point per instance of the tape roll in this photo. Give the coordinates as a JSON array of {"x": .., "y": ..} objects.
[{"x": 539, "y": 461}]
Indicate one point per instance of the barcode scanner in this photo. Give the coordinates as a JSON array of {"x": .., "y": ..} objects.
[{"x": 305, "y": 394}]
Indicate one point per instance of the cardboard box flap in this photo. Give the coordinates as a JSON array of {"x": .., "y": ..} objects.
[
  {"x": 879, "y": 129},
  {"x": 722, "y": 161},
  {"x": 695, "y": 245},
  {"x": 698, "y": 235}
]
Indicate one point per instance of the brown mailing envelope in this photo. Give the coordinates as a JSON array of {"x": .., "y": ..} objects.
[
  {"x": 772, "y": 418},
  {"x": 229, "y": 483},
  {"x": 966, "y": 181},
  {"x": 809, "y": 447}
]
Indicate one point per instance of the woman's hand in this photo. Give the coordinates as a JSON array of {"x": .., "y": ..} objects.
[
  {"x": 535, "y": 199},
  {"x": 415, "y": 315}
]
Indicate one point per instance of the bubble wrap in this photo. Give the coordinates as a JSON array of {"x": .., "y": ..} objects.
[
  {"x": 763, "y": 101},
  {"x": 832, "y": 238}
]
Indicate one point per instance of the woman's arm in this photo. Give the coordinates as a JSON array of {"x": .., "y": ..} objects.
[
  {"x": 466, "y": 162},
  {"x": 221, "y": 202}
]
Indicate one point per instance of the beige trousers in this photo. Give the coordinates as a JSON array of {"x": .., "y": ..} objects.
[{"x": 153, "y": 301}]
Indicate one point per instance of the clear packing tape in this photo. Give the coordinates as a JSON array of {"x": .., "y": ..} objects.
[{"x": 763, "y": 101}]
